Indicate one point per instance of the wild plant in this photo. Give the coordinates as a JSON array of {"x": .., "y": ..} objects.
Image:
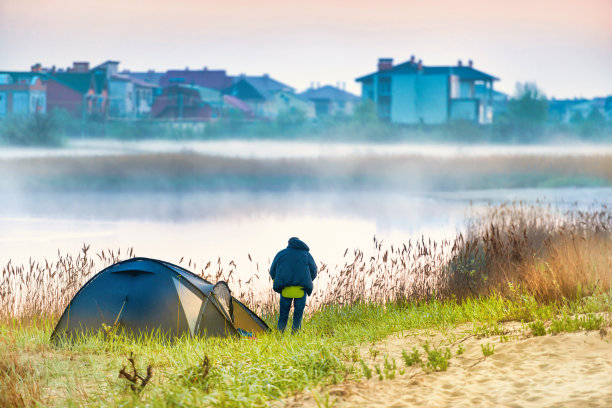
[
  {"x": 537, "y": 328},
  {"x": 487, "y": 349},
  {"x": 437, "y": 360},
  {"x": 412, "y": 358}
]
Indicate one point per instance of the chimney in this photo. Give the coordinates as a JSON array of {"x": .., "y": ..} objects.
[
  {"x": 80, "y": 67},
  {"x": 420, "y": 66},
  {"x": 311, "y": 84},
  {"x": 412, "y": 59},
  {"x": 459, "y": 63},
  {"x": 385, "y": 64},
  {"x": 471, "y": 63}
]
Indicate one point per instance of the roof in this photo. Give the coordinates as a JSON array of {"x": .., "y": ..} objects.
[
  {"x": 463, "y": 72},
  {"x": 482, "y": 89},
  {"x": 136, "y": 81},
  {"x": 331, "y": 93},
  {"x": 16, "y": 76},
  {"x": 214, "y": 79},
  {"x": 264, "y": 85},
  {"x": 150, "y": 77},
  {"x": 237, "y": 103},
  {"x": 80, "y": 82}
]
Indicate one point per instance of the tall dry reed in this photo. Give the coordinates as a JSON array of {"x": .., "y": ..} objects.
[{"x": 551, "y": 254}]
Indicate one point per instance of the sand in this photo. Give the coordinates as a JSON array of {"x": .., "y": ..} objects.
[{"x": 565, "y": 370}]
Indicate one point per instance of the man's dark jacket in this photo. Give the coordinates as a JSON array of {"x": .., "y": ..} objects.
[{"x": 293, "y": 266}]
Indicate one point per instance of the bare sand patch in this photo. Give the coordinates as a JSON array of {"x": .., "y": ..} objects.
[{"x": 569, "y": 370}]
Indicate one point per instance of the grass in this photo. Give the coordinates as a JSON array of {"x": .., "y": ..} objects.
[
  {"x": 189, "y": 171},
  {"x": 547, "y": 269},
  {"x": 241, "y": 372}
]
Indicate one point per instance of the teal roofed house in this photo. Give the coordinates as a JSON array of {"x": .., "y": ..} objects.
[
  {"x": 412, "y": 93},
  {"x": 268, "y": 97}
]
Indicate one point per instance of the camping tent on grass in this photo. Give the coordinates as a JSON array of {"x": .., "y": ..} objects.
[{"x": 142, "y": 295}]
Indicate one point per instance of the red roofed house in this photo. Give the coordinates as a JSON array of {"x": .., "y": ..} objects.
[
  {"x": 181, "y": 102},
  {"x": 79, "y": 91}
]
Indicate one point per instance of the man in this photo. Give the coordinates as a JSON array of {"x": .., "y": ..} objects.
[{"x": 293, "y": 271}]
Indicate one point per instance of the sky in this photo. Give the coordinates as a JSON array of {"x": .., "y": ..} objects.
[{"x": 565, "y": 46}]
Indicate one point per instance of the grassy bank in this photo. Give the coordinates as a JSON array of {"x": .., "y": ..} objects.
[
  {"x": 241, "y": 372},
  {"x": 548, "y": 270},
  {"x": 188, "y": 171}
]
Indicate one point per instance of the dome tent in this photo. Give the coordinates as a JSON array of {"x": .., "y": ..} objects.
[{"x": 142, "y": 295}]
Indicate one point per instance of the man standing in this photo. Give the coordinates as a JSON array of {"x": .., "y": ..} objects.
[{"x": 293, "y": 271}]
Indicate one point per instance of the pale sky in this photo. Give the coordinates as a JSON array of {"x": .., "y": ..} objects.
[{"x": 565, "y": 46}]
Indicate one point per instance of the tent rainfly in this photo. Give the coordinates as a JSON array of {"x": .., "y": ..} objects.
[{"x": 142, "y": 295}]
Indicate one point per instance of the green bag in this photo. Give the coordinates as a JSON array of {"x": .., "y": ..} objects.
[{"x": 293, "y": 292}]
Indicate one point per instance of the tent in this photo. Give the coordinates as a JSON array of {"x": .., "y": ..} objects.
[{"x": 142, "y": 295}]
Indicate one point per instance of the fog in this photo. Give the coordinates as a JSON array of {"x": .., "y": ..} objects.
[
  {"x": 40, "y": 216},
  {"x": 271, "y": 149}
]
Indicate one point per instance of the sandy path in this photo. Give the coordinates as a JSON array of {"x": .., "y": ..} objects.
[{"x": 568, "y": 370}]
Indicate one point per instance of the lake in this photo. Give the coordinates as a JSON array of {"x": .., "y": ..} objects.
[{"x": 202, "y": 223}]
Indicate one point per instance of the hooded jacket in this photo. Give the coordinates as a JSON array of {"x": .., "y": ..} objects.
[{"x": 293, "y": 266}]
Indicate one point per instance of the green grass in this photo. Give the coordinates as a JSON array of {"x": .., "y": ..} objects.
[{"x": 236, "y": 372}]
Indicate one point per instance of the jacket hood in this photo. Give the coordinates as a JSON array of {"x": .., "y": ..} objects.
[{"x": 297, "y": 244}]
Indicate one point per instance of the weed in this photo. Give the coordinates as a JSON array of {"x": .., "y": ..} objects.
[
  {"x": 437, "y": 360},
  {"x": 460, "y": 349},
  {"x": 412, "y": 358},
  {"x": 537, "y": 328},
  {"x": 487, "y": 349},
  {"x": 134, "y": 378},
  {"x": 367, "y": 371}
]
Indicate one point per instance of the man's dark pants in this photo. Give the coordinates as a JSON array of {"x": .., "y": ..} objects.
[{"x": 298, "y": 312}]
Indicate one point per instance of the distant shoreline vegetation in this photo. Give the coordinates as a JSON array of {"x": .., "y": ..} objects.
[
  {"x": 526, "y": 118},
  {"x": 53, "y": 129}
]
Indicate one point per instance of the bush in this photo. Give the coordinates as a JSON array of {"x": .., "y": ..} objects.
[{"x": 33, "y": 130}]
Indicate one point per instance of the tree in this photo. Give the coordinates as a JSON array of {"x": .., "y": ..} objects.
[
  {"x": 529, "y": 106},
  {"x": 365, "y": 112}
]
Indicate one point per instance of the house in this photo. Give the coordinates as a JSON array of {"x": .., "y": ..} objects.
[
  {"x": 22, "y": 93},
  {"x": 182, "y": 103},
  {"x": 268, "y": 97},
  {"x": 412, "y": 93},
  {"x": 499, "y": 100},
  {"x": 128, "y": 97},
  {"x": 331, "y": 101},
  {"x": 212, "y": 79},
  {"x": 79, "y": 90},
  {"x": 150, "y": 77}
]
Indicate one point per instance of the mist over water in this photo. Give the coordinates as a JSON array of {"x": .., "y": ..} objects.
[
  {"x": 41, "y": 216},
  {"x": 277, "y": 149}
]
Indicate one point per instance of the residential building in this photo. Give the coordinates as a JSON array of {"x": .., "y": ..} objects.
[
  {"x": 268, "y": 97},
  {"x": 331, "y": 101},
  {"x": 181, "y": 103},
  {"x": 129, "y": 97},
  {"x": 212, "y": 79},
  {"x": 412, "y": 93},
  {"x": 80, "y": 91},
  {"x": 499, "y": 100},
  {"x": 150, "y": 77},
  {"x": 22, "y": 93}
]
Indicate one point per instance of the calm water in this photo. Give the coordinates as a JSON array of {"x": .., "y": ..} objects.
[
  {"x": 206, "y": 225},
  {"x": 203, "y": 226}
]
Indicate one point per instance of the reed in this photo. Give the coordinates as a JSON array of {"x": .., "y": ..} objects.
[{"x": 551, "y": 255}]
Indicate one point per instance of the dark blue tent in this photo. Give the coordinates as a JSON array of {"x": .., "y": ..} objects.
[{"x": 142, "y": 295}]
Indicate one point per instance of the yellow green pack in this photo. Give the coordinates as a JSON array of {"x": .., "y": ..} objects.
[{"x": 293, "y": 292}]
